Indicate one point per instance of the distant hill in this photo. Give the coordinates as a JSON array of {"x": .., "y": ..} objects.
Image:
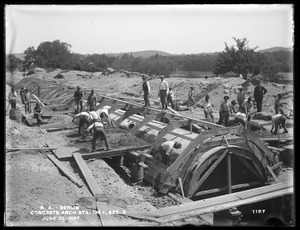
[
  {"x": 142, "y": 54},
  {"x": 275, "y": 49}
]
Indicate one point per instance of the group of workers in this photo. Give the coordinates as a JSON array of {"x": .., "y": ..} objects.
[
  {"x": 241, "y": 109},
  {"x": 26, "y": 100},
  {"x": 98, "y": 120}
]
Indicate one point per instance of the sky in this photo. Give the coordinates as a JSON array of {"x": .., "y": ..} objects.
[{"x": 175, "y": 29}]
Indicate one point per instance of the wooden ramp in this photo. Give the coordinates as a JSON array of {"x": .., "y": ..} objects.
[{"x": 220, "y": 203}]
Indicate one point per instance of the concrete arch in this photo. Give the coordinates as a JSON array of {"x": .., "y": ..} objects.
[{"x": 205, "y": 162}]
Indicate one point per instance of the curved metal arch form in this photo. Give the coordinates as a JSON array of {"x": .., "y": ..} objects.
[{"x": 198, "y": 172}]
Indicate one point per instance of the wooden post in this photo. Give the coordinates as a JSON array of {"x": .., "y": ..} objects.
[{"x": 229, "y": 172}]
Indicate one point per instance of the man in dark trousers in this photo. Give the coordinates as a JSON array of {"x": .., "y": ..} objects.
[
  {"x": 37, "y": 111},
  {"x": 98, "y": 132},
  {"x": 259, "y": 92},
  {"x": 146, "y": 89},
  {"x": 92, "y": 100},
  {"x": 27, "y": 98},
  {"x": 78, "y": 99},
  {"x": 163, "y": 92}
]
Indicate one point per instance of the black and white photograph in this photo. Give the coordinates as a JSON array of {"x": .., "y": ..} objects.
[{"x": 156, "y": 115}]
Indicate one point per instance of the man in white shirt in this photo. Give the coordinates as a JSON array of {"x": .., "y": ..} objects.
[
  {"x": 163, "y": 92},
  {"x": 98, "y": 132},
  {"x": 166, "y": 148},
  {"x": 84, "y": 118}
]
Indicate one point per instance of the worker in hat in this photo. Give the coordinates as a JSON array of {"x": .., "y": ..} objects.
[
  {"x": 259, "y": 92},
  {"x": 247, "y": 107},
  {"x": 92, "y": 100},
  {"x": 22, "y": 90},
  {"x": 225, "y": 111},
  {"x": 166, "y": 149},
  {"x": 37, "y": 113},
  {"x": 163, "y": 92},
  {"x": 277, "y": 103},
  {"x": 208, "y": 112},
  {"x": 98, "y": 128},
  {"x": 78, "y": 99},
  {"x": 146, "y": 89},
  {"x": 279, "y": 120},
  {"x": 191, "y": 100},
  {"x": 241, "y": 96}
]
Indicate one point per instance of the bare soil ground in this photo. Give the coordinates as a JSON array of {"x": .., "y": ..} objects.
[{"x": 33, "y": 181}]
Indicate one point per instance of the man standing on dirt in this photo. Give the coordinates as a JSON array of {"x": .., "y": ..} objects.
[
  {"x": 165, "y": 149},
  {"x": 22, "y": 90},
  {"x": 259, "y": 92},
  {"x": 27, "y": 98},
  {"x": 191, "y": 100},
  {"x": 225, "y": 111},
  {"x": 92, "y": 100},
  {"x": 163, "y": 92},
  {"x": 208, "y": 111},
  {"x": 146, "y": 89},
  {"x": 78, "y": 99},
  {"x": 12, "y": 98},
  {"x": 98, "y": 132},
  {"x": 240, "y": 97}
]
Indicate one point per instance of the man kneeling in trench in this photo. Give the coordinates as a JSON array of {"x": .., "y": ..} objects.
[
  {"x": 98, "y": 132},
  {"x": 165, "y": 149}
]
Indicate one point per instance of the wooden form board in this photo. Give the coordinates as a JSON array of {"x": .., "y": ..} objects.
[
  {"x": 224, "y": 202},
  {"x": 65, "y": 170},
  {"x": 67, "y": 153},
  {"x": 92, "y": 183}
]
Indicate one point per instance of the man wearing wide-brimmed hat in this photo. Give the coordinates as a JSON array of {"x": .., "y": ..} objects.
[
  {"x": 146, "y": 89},
  {"x": 225, "y": 111}
]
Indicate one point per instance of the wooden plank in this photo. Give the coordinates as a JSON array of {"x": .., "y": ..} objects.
[
  {"x": 92, "y": 183},
  {"x": 272, "y": 173},
  {"x": 237, "y": 186},
  {"x": 228, "y": 205},
  {"x": 23, "y": 148},
  {"x": 60, "y": 129},
  {"x": 277, "y": 165},
  {"x": 218, "y": 203},
  {"x": 143, "y": 165},
  {"x": 140, "y": 217},
  {"x": 103, "y": 213},
  {"x": 65, "y": 170},
  {"x": 38, "y": 100},
  {"x": 105, "y": 154}
]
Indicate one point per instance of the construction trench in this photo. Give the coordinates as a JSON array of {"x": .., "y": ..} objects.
[{"x": 220, "y": 176}]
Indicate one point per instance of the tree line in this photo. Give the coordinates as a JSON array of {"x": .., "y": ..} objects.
[{"x": 239, "y": 59}]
